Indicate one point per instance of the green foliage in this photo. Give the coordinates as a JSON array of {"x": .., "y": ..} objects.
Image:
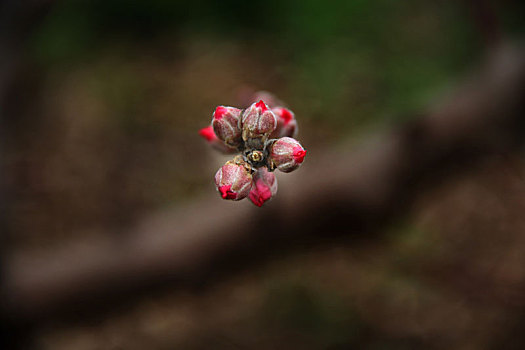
[{"x": 355, "y": 61}]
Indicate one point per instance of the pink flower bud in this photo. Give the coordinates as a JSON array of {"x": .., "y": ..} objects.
[
  {"x": 209, "y": 135},
  {"x": 258, "y": 122},
  {"x": 286, "y": 154},
  {"x": 226, "y": 124},
  {"x": 234, "y": 180},
  {"x": 286, "y": 123},
  {"x": 264, "y": 186}
]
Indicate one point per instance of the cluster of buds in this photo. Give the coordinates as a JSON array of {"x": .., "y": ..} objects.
[{"x": 263, "y": 136}]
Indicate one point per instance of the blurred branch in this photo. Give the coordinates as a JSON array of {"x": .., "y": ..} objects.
[{"x": 341, "y": 193}]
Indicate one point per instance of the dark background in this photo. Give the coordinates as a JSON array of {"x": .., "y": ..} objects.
[{"x": 101, "y": 102}]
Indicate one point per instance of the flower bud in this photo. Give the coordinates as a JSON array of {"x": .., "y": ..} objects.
[
  {"x": 286, "y": 123},
  {"x": 264, "y": 186},
  {"x": 286, "y": 154},
  {"x": 209, "y": 135},
  {"x": 226, "y": 124},
  {"x": 258, "y": 122},
  {"x": 234, "y": 179}
]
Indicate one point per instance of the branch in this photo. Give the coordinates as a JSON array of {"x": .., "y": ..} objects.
[{"x": 339, "y": 194}]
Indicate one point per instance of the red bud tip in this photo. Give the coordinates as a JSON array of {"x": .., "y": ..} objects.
[
  {"x": 263, "y": 188},
  {"x": 286, "y": 115},
  {"x": 257, "y": 200},
  {"x": 227, "y": 193},
  {"x": 208, "y": 133},
  {"x": 261, "y": 105},
  {"x": 260, "y": 194},
  {"x": 299, "y": 154},
  {"x": 219, "y": 112}
]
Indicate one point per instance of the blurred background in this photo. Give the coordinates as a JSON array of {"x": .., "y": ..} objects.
[{"x": 101, "y": 102}]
